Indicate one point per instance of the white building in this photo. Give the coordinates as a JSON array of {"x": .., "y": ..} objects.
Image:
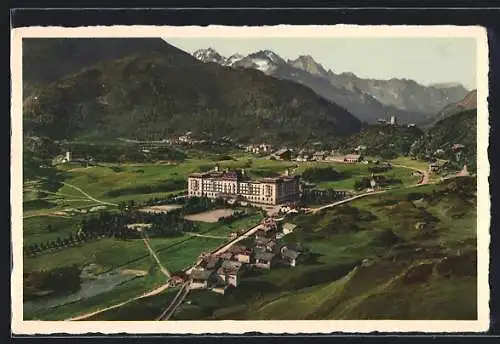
[{"x": 236, "y": 184}]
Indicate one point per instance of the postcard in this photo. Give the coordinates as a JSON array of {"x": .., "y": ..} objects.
[{"x": 279, "y": 179}]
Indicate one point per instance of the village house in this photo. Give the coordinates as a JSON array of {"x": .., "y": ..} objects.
[
  {"x": 270, "y": 245},
  {"x": 267, "y": 232},
  {"x": 186, "y": 138},
  {"x": 434, "y": 167},
  {"x": 283, "y": 154},
  {"x": 262, "y": 240},
  {"x": 352, "y": 158},
  {"x": 259, "y": 148},
  {"x": 290, "y": 255},
  {"x": 226, "y": 256},
  {"x": 349, "y": 158},
  {"x": 319, "y": 156},
  {"x": 288, "y": 228},
  {"x": 265, "y": 260},
  {"x": 241, "y": 253},
  {"x": 177, "y": 278},
  {"x": 335, "y": 158},
  {"x": 212, "y": 262},
  {"x": 229, "y": 272},
  {"x": 200, "y": 279}
]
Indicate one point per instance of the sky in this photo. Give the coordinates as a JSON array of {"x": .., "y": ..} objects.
[{"x": 426, "y": 60}]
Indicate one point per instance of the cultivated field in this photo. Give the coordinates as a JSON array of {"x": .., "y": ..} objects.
[{"x": 210, "y": 216}]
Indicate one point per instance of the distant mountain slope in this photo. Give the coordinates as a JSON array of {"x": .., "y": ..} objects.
[
  {"x": 160, "y": 91},
  {"x": 461, "y": 129},
  {"x": 469, "y": 102},
  {"x": 49, "y": 59},
  {"x": 367, "y": 99},
  {"x": 382, "y": 140}
]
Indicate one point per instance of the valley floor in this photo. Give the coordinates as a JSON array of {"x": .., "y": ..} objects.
[{"x": 365, "y": 260}]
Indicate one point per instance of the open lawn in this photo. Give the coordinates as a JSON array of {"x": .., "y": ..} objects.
[
  {"x": 217, "y": 229},
  {"x": 47, "y": 228},
  {"x": 210, "y": 216},
  {"x": 186, "y": 253}
]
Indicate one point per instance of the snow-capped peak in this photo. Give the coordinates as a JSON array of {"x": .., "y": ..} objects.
[
  {"x": 233, "y": 59},
  {"x": 209, "y": 55},
  {"x": 307, "y": 63},
  {"x": 265, "y": 60},
  {"x": 268, "y": 55}
]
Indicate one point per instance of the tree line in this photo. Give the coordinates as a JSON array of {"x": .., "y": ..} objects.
[
  {"x": 321, "y": 196},
  {"x": 117, "y": 225},
  {"x": 73, "y": 239},
  {"x": 381, "y": 181},
  {"x": 233, "y": 217}
]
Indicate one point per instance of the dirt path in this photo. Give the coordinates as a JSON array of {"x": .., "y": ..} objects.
[
  {"x": 87, "y": 195},
  {"x": 148, "y": 294},
  {"x": 153, "y": 254},
  {"x": 425, "y": 174}
]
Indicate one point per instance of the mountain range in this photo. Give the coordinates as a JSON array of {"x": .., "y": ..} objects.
[
  {"x": 367, "y": 99},
  {"x": 148, "y": 89}
]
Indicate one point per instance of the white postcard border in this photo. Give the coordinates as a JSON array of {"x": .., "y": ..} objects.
[{"x": 19, "y": 326}]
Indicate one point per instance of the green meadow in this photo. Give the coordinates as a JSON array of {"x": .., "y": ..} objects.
[{"x": 369, "y": 259}]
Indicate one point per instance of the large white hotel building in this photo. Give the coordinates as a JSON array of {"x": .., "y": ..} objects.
[{"x": 236, "y": 184}]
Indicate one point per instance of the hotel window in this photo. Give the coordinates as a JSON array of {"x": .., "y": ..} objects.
[{"x": 268, "y": 190}]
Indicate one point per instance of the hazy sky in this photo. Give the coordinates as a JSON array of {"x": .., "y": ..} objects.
[{"x": 425, "y": 60}]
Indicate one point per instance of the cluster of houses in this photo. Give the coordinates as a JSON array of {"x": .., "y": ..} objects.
[
  {"x": 303, "y": 155},
  {"x": 330, "y": 156},
  {"x": 189, "y": 139},
  {"x": 258, "y": 148},
  {"x": 222, "y": 271}
]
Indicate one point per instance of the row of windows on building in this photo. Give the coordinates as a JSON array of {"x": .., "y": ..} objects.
[
  {"x": 243, "y": 189},
  {"x": 248, "y": 198}
]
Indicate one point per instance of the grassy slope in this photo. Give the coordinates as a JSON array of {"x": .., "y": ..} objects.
[
  {"x": 458, "y": 128},
  {"x": 422, "y": 276}
]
